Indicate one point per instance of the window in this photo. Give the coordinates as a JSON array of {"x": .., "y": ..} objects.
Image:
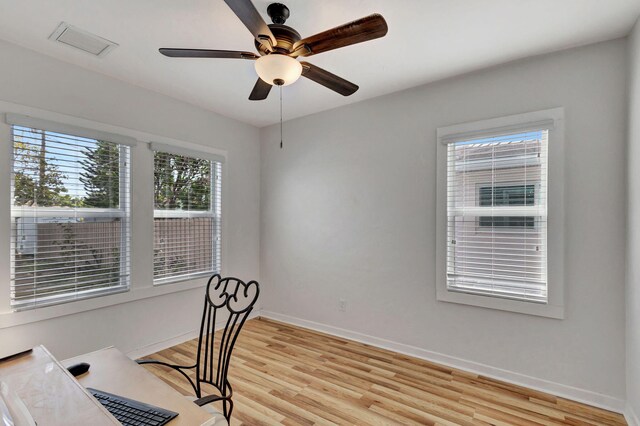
[
  {"x": 187, "y": 215},
  {"x": 513, "y": 195},
  {"x": 505, "y": 255},
  {"x": 69, "y": 217},
  {"x": 495, "y": 242}
]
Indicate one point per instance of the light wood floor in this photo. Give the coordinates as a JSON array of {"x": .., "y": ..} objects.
[{"x": 288, "y": 375}]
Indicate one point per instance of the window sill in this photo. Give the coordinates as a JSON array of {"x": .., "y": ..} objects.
[
  {"x": 537, "y": 309},
  {"x": 13, "y": 319}
]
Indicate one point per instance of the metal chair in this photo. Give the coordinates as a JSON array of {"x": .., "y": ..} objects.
[{"x": 237, "y": 298}]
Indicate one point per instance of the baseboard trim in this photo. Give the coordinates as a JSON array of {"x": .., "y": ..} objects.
[
  {"x": 631, "y": 417},
  {"x": 576, "y": 394},
  {"x": 176, "y": 340}
]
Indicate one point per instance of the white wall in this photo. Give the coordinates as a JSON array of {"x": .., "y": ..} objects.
[
  {"x": 31, "y": 79},
  {"x": 348, "y": 211},
  {"x": 633, "y": 227}
]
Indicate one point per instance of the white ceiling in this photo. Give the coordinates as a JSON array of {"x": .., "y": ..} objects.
[{"x": 427, "y": 40}]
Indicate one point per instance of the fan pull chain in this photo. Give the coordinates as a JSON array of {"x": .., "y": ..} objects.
[{"x": 280, "y": 116}]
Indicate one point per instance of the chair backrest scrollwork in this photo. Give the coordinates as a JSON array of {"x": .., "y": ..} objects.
[{"x": 236, "y": 299}]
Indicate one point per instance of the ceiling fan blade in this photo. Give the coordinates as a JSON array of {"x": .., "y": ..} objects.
[
  {"x": 206, "y": 53},
  {"x": 328, "y": 80},
  {"x": 250, "y": 17},
  {"x": 260, "y": 91},
  {"x": 364, "y": 29}
]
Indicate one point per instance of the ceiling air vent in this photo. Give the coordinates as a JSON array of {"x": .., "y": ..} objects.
[{"x": 81, "y": 39}]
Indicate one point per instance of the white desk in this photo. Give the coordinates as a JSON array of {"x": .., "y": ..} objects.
[
  {"x": 55, "y": 398},
  {"x": 111, "y": 371}
]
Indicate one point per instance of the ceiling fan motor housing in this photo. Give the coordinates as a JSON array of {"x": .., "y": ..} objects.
[{"x": 285, "y": 36}]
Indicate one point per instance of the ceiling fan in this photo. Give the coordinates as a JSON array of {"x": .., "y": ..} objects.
[{"x": 279, "y": 47}]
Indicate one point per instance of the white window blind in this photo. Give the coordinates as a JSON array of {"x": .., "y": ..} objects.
[
  {"x": 187, "y": 215},
  {"x": 497, "y": 216},
  {"x": 69, "y": 216}
]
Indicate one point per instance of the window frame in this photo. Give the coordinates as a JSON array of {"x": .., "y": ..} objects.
[
  {"x": 553, "y": 121},
  {"x": 141, "y": 176},
  {"x": 123, "y": 212},
  {"x": 215, "y": 211}
]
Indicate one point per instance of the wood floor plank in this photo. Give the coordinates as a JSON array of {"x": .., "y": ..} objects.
[{"x": 283, "y": 374}]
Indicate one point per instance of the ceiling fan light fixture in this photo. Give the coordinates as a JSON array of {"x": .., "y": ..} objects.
[{"x": 278, "y": 69}]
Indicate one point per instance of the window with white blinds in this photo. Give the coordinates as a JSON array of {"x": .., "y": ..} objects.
[
  {"x": 497, "y": 216},
  {"x": 187, "y": 215},
  {"x": 70, "y": 217}
]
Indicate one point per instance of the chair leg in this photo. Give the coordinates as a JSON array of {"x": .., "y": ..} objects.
[
  {"x": 224, "y": 410},
  {"x": 230, "y": 410}
]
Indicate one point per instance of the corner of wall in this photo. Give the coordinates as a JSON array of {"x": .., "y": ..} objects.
[
  {"x": 630, "y": 416},
  {"x": 632, "y": 272}
]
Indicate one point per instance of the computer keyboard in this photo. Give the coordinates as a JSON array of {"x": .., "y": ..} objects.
[{"x": 132, "y": 413}]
